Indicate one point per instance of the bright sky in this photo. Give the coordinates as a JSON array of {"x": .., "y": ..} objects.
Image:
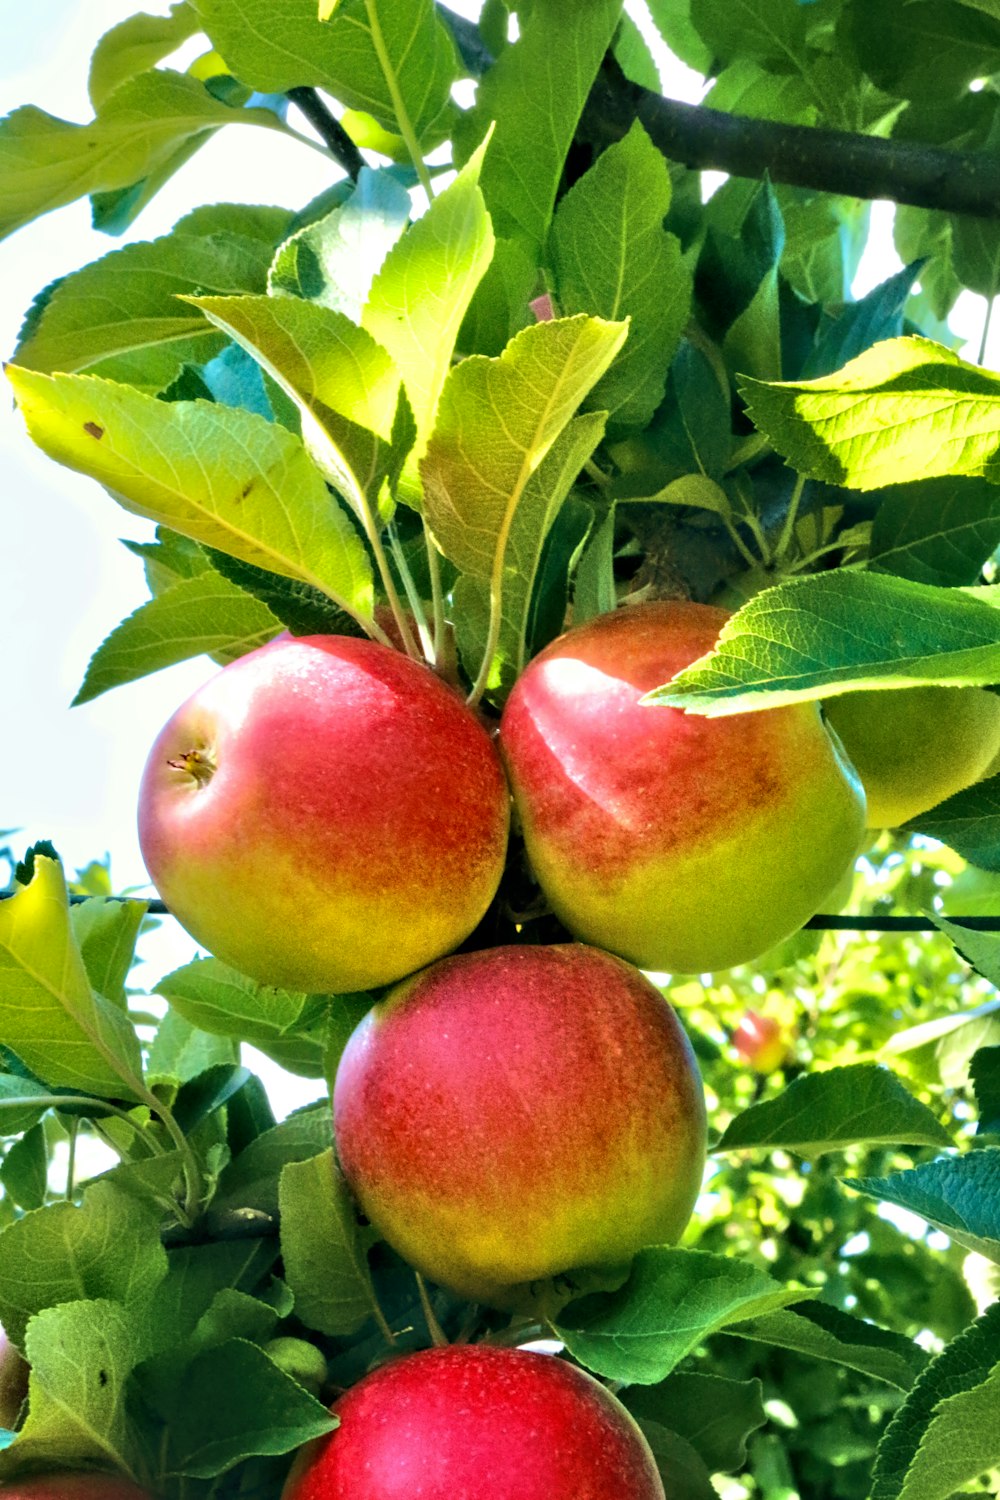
[{"x": 72, "y": 774}]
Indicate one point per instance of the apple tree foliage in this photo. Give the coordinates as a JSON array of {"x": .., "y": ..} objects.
[{"x": 508, "y": 369}]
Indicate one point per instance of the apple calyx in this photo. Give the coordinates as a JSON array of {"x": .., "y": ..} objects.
[{"x": 197, "y": 764}]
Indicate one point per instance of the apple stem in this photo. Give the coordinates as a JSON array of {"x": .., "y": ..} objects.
[
  {"x": 438, "y": 1337},
  {"x": 72, "y": 1130},
  {"x": 787, "y": 531},
  {"x": 437, "y": 591}
]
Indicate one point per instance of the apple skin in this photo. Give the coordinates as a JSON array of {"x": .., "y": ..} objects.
[
  {"x": 474, "y": 1423},
  {"x": 914, "y": 747},
  {"x": 66, "y": 1486},
  {"x": 760, "y": 1041},
  {"x": 520, "y": 1112},
  {"x": 681, "y": 842},
  {"x": 354, "y": 826},
  {"x": 13, "y": 1382}
]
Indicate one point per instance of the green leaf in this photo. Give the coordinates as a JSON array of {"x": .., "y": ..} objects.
[
  {"x": 770, "y": 31},
  {"x": 231, "y": 1403},
  {"x": 107, "y": 1247},
  {"x": 201, "y": 1096},
  {"x": 613, "y": 258},
  {"x": 135, "y": 45},
  {"x": 121, "y": 316},
  {"x": 106, "y": 932},
  {"x": 835, "y": 632},
  {"x": 251, "y": 1181},
  {"x": 323, "y": 1248},
  {"x": 181, "y": 1051},
  {"x": 957, "y": 1194},
  {"x": 46, "y": 162},
  {"x": 342, "y": 382},
  {"x": 933, "y": 50},
  {"x": 820, "y": 1331},
  {"x": 540, "y": 504},
  {"x": 680, "y": 1465},
  {"x": 49, "y": 1015},
  {"x": 947, "y": 1044},
  {"x": 713, "y": 1412},
  {"x": 863, "y": 1104},
  {"x": 594, "y": 587},
  {"x": 25, "y": 1169},
  {"x": 204, "y": 615},
  {"x": 170, "y": 1309},
  {"x": 224, "y": 1002},
  {"x": 334, "y": 260},
  {"x": 223, "y": 477},
  {"x": 917, "y": 1438},
  {"x": 299, "y": 606},
  {"x": 859, "y": 325},
  {"x": 498, "y": 420},
  {"x": 906, "y": 409},
  {"x": 938, "y": 531},
  {"x": 500, "y": 304},
  {"x": 535, "y": 92},
  {"x": 421, "y": 294},
  {"x": 342, "y": 55},
  {"x": 81, "y": 1356},
  {"x": 969, "y": 823},
  {"x": 672, "y": 19},
  {"x": 671, "y": 1302},
  {"x": 985, "y": 1074}
]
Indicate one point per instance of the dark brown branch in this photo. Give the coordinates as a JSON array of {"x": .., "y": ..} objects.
[
  {"x": 833, "y": 161},
  {"x": 329, "y": 129}
]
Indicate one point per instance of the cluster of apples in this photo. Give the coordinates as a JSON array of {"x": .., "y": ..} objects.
[{"x": 328, "y": 815}]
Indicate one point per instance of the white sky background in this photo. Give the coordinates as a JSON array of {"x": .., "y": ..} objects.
[{"x": 65, "y": 580}]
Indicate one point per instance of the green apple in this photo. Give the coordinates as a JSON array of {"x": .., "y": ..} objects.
[
  {"x": 681, "y": 842},
  {"x": 913, "y": 747},
  {"x": 475, "y": 1423},
  {"x": 518, "y": 1113},
  {"x": 325, "y": 814}
]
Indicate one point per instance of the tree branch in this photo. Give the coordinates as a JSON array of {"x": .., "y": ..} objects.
[
  {"x": 329, "y": 129},
  {"x": 833, "y": 161}
]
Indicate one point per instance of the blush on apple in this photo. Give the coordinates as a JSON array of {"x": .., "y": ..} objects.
[
  {"x": 681, "y": 842},
  {"x": 325, "y": 814},
  {"x": 516, "y": 1113},
  {"x": 475, "y": 1423}
]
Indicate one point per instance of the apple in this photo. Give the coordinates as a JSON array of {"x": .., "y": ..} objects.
[
  {"x": 913, "y": 747},
  {"x": 760, "y": 1041},
  {"x": 66, "y": 1486},
  {"x": 681, "y": 842},
  {"x": 325, "y": 814},
  {"x": 514, "y": 1114},
  {"x": 475, "y": 1423},
  {"x": 13, "y": 1383}
]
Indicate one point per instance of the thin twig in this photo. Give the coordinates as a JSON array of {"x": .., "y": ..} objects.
[{"x": 329, "y": 129}]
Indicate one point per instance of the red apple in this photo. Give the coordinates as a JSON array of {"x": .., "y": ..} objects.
[
  {"x": 325, "y": 814},
  {"x": 516, "y": 1113},
  {"x": 683, "y": 843},
  {"x": 760, "y": 1041},
  {"x": 13, "y": 1383},
  {"x": 474, "y": 1423},
  {"x": 66, "y": 1486}
]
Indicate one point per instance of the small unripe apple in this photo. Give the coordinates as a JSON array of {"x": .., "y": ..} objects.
[
  {"x": 325, "y": 814},
  {"x": 681, "y": 842},
  {"x": 13, "y": 1382},
  {"x": 913, "y": 747},
  {"x": 475, "y": 1423},
  {"x": 761, "y": 1042},
  {"x": 520, "y": 1112},
  {"x": 72, "y": 1486}
]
